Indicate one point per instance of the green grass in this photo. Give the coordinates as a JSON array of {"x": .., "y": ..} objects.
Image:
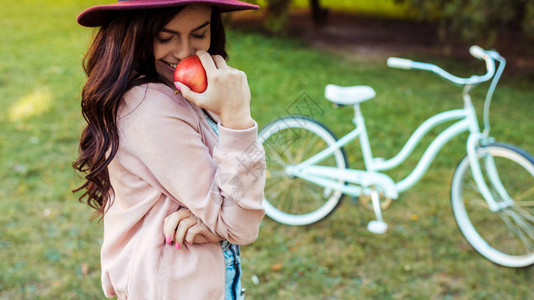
[{"x": 50, "y": 250}]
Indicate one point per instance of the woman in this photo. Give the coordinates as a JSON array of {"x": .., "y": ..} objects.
[{"x": 163, "y": 168}]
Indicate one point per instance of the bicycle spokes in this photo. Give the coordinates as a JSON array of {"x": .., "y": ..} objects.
[{"x": 504, "y": 235}]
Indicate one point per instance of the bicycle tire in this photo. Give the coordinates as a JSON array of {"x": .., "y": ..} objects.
[
  {"x": 290, "y": 200},
  {"x": 505, "y": 236}
]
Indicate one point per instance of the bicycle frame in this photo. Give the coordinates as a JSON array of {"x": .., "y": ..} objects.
[
  {"x": 476, "y": 186},
  {"x": 371, "y": 180},
  {"x": 330, "y": 177}
]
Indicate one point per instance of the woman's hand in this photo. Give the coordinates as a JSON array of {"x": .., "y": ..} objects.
[
  {"x": 227, "y": 95},
  {"x": 182, "y": 226}
]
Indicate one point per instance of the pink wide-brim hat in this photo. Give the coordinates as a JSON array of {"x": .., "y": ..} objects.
[{"x": 97, "y": 15}]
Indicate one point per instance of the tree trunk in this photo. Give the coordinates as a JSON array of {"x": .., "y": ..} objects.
[{"x": 319, "y": 14}]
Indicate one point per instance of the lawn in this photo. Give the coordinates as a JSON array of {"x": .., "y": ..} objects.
[{"x": 49, "y": 248}]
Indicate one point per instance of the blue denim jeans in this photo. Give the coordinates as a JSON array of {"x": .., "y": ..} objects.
[{"x": 233, "y": 271}]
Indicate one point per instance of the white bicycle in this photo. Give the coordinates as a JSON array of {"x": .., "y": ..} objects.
[{"x": 492, "y": 191}]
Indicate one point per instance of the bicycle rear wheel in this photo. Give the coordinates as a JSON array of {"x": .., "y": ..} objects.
[
  {"x": 505, "y": 236},
  {"x": 287, "y": 142}
]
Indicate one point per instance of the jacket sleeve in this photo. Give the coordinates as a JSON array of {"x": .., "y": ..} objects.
[{"x": 225, "y": 191}]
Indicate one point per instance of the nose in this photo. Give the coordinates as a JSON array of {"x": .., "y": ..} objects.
[{"x": 185, "y": 49}]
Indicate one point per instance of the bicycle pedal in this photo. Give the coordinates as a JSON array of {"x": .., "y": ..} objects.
[{"x": 378, "y": 227}]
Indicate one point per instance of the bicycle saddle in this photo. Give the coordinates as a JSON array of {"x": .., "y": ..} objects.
[{"x": 348, "y": 95}]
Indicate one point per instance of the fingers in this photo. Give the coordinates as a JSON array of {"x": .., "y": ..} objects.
[
  {"x": 201, "y": 234},
  {"x": 219, "y": 62},
  {"x": 194, "y": 234},
  {"x": 207, "y": 61},
  {"x": 211, "y": 62},
  {"x": 184, "y": 89},
  {"x": 188, "y": 94},
  {"x": 183, "y": 227},
  {"x": 171, "y": 222},
  {"x": 227, "y": 94}
]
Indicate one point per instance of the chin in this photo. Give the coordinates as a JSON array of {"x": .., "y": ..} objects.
[
  {"x": 166, "y": 78},
  {"x": 168, "y": 83}
]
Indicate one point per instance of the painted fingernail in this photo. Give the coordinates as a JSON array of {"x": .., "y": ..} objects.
[
  {"x": 177, "y": 246},
  {"x": 168, "y": 238}
]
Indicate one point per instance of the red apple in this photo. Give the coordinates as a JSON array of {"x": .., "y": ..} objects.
[{"x": 190, "y": 72}]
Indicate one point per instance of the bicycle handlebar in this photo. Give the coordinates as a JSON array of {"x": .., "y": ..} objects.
[
  {"x": 399, "y": 63},
  {"x": 477, "y": 52}
]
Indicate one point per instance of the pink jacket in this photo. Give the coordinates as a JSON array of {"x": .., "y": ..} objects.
[{"x": 169, "y": 157}]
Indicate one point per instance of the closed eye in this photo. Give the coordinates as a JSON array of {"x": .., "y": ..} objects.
[
  {"x": 163, "y": 41},
  {"x": 200, "y": 36}
]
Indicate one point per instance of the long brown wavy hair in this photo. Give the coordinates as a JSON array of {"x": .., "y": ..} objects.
[{"x": 120, "y": 57}]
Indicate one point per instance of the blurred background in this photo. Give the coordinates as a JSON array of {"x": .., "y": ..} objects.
[{"x": 49, "y": 247}]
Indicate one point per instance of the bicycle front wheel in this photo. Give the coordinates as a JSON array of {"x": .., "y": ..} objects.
[
  {"x": 504, "y": 236},
  {"x": 287, "y": 142}
]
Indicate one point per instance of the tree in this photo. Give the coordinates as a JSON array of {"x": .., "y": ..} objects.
[
  {"x": 481, "y": 21},
  {"x": 277, "y": 12}
]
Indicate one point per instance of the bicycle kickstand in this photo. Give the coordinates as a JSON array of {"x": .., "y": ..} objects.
[{"x": 377, "y": 226}]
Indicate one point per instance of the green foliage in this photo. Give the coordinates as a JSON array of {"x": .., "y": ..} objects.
[
  {"x": 528, "y": 21},
  {"x": 475, "y": 21},
  {"x": 481, "y": 21},
  {"x": 277, "y": 11}
]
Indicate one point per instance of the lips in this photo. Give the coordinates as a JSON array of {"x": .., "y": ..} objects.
[{"x": 170, "y": 65}]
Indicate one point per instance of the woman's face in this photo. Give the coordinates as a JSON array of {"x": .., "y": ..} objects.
[{"x": 186, "y": 33}]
